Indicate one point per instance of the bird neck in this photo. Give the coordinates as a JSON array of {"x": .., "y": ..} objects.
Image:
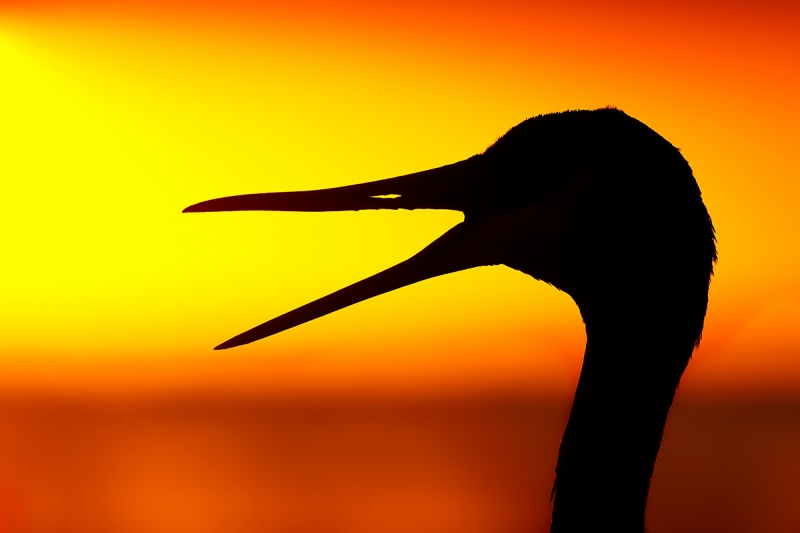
[{"x": 631, "y": 369}]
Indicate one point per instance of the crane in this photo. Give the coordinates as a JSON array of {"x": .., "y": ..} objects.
[{"x": 600, "y": 206}]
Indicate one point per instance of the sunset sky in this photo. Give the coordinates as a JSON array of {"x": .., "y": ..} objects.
[
  {"x": 435, "y": 408},
  {"x": 114, "y": 116}
]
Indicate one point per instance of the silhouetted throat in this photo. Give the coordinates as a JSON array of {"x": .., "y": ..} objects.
[{"x": 603, "y": 208}]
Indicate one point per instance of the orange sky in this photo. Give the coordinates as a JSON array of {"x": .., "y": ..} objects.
[{"x": 115, "y": 116}]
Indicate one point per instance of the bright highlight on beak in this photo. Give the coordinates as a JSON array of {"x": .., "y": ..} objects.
[{"x": 439, "y": 188}]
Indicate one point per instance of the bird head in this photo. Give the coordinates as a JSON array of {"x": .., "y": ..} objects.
[{"x": 593, "y": 202}]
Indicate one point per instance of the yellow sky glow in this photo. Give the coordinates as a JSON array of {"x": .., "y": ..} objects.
[{"x": 111, "y": 127}]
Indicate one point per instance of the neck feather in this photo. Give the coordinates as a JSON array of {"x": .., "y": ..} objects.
[{"x": 630, "y": 373}]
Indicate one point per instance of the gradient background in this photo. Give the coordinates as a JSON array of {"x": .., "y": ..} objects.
[{"x": 438, "y": 407}]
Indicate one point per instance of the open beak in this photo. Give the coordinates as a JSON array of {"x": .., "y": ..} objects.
[{"x": 440, "y": 188}]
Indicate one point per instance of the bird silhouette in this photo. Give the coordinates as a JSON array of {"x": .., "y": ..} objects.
[{"x": 603, "y": 208}]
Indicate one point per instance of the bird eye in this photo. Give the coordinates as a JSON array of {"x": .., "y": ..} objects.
[{"x": 386, "y": 196}]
